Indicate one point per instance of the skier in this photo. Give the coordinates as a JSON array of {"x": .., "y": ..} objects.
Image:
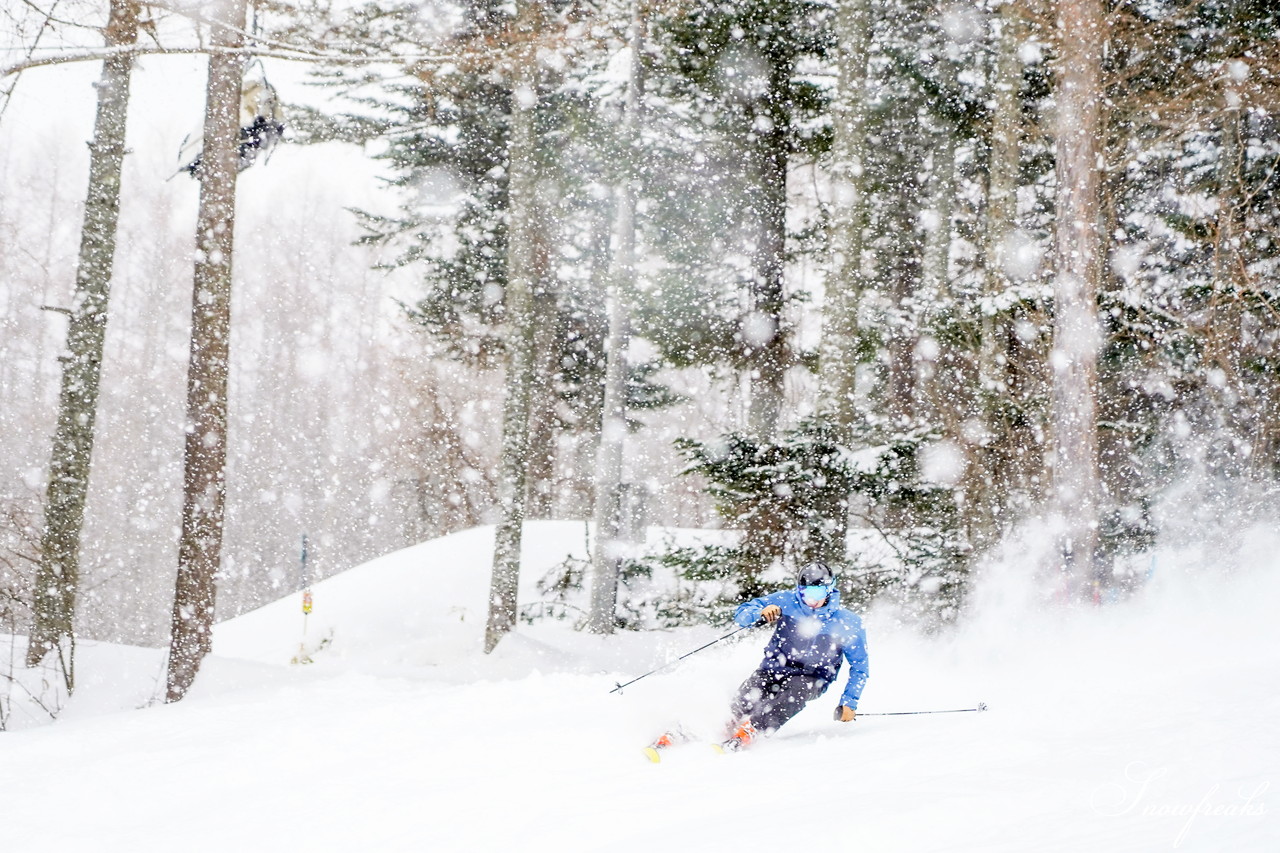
[
  {"x": 802, "y": 658},
  {"x": 800, "y": 662}
]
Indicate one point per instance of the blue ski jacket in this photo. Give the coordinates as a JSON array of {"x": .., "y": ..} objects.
[{"x": 809, "y": 641}]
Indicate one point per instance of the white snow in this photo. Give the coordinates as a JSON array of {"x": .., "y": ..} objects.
[{"x": 1142, "y": 725}]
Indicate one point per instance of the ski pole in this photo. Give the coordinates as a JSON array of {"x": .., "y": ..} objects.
[
  {"x": 982, "y": 706},
  {"x": 682, "y": 657}
]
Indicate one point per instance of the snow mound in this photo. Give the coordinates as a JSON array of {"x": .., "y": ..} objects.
[{"x": 1147, "y": 724}]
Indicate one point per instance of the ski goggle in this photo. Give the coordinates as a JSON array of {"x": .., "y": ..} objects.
[{"x": 815, "y": 594}]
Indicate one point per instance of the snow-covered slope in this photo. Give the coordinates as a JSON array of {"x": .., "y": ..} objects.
[{"x": 1146, "y": 725}]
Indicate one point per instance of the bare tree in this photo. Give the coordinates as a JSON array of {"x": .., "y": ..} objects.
[
  {"x": 522, "y": 278},
  {"x": 204, "y": 456},
  {"x": 613, "y": 427},
  {"x": 762, "y": 331},
  {"x": 58, "y": 575},
  {"x": 1077, "y": 334},
  {"x": 935, "y": 265},
  {"x": 1223, "y": 344},
  {"x": 845, "y": 281},
  {"x": 1006, "y": 456}
]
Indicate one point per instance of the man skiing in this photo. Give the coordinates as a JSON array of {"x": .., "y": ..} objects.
[
  {"x": 800, "y": 662},
  {"x": 802, "y": 658}
]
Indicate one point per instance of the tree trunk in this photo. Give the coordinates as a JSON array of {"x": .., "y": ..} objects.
[
  {"x": 936, "y": 395},
  {"x": 901, "y": 265},
  {"x": 543, "y": 402},
  {"x": 58, "y": 574},
  {"x": 1077, "y": 334},
  {"x": 1224, "y": 339},
  {"x": 763, "y": 335},
  {"x": 605, "y": 559},
  {"x": 1003, "y": 157},
  {"x": 521, "y": 280},
  {"x": 848, "y": 222},
  {"x": 205, "y": 451},
  {"x": 936, "y": 267},
  {"x": 999, "y": 455},
  {"x": 846, "y": 236}
]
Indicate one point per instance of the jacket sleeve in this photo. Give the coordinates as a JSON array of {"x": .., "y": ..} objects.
[
  {"x": 855, "y": 652},
  {"x": 748, "y": 613}
]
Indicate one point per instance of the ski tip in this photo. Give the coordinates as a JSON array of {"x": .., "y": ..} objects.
[
  {"x": 718, "y": 749},
  {"x": 652, "y": 754}
]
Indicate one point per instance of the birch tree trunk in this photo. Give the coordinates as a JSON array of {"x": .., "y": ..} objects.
[
  {"x": 838, "y": 354},
  {"x": 205, "y": 452},
  {"x": 1077, "y": 334},
  {"x": 605, "y": 559},
  {"x": 518, "y": 302},
  {"x": 58, "y": 575}
]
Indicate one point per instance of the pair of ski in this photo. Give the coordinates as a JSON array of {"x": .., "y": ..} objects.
[{"x": 666, "y": 740}]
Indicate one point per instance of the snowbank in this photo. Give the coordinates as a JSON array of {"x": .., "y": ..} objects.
[{"x": 1144, "y": 725}]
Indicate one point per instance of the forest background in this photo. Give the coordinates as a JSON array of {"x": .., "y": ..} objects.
[{"x": 878, "y": 281}]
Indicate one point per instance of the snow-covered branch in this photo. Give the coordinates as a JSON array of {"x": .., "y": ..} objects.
[{"x": 99, "y": 54}]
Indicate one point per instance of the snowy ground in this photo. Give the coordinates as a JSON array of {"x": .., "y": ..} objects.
[{"x": 1148, "y": 725}]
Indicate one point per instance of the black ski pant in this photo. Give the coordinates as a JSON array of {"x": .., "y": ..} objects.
[{"x": 769, "y": 698}]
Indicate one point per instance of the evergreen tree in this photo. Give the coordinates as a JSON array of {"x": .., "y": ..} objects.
[
  {"x": 740, "y": 67},
  {"x": 447, "y": 132}
]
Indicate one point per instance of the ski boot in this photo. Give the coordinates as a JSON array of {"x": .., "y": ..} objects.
[
  {"x": 664, "y": 741},
  {"x": 743, "y": 736}
]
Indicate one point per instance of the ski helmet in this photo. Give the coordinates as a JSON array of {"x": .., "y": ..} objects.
[{"x": 816, "y": 573}]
